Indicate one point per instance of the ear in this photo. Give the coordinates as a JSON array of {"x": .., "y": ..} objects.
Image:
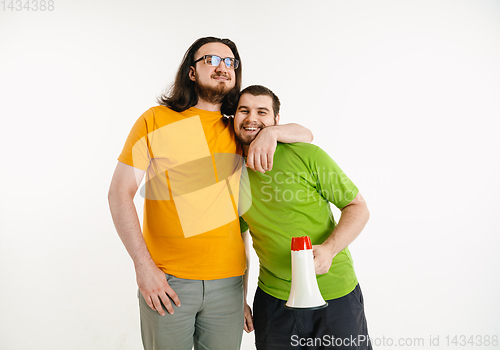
[
  {"x": 192, "y": 75},
  {"x": 277, "y": 119}
]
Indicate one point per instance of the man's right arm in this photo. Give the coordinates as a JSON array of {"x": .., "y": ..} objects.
[{"x": 151, "y": 280}]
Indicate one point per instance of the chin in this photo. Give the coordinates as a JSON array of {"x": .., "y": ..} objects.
[
  {"x": 248, "y": 141},
  {"x": 244, "y": 141}
]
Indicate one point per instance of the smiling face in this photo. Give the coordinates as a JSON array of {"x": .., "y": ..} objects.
[
  {"x": 212, "y": 83},
  {"x": 253, "y": 114}
]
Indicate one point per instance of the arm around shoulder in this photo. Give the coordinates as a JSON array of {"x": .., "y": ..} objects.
[
  {"x": 289, "y": 133},
  {"x": 261, "y": 151}
]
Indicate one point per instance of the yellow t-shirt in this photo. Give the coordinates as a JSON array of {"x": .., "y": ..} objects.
[{"x": 193, "y": 166}]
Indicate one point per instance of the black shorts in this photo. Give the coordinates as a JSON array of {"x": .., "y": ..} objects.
[{"x": 341, "y": 325}]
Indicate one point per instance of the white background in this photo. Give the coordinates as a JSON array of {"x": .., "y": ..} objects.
[{"x": 404, "y": 95}]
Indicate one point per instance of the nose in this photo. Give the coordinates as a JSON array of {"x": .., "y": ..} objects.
[
  {"x": 252, "y": 117},
  {"x": 222, "y": 67}
]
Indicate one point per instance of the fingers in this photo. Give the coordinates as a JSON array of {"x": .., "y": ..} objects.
[
  {"x": 153, "y": 302},
  {"x": 316, "y": 253},
  {"x": 248, "y": 325},
  {"x": 315, "y": 248},
  {"x": 173, "y": 295},
  {"x": 260, "y": 162},
  {"x": 254, "y": 162},
  {"x": 318, "y": 260},
  {"x": 317, "y": 266},
  {"x": 250, "y": 160},
  {"x": 322, "y": 259},
  {"x": 320, "y": 268},
  {"x": 263, "y": 162},
  {"x": 160, "y": 302},
  {"x": 165, "y": 299},
  {"x": 156, "y": 303},
  {"x": 159, "y": 307},
  {"x": 270, "y": 161},
  {"x": 149, "y": 301},
  {"x": 154, "y": 287},
  {"x": 261, "y": 151}
]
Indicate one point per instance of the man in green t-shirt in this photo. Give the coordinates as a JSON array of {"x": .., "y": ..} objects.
[{"x": 293, "y": 200}]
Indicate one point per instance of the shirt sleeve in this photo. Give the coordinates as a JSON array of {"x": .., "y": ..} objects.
[
  {"x": 332, "y": 183},
  {"x": 136, "y": 149}
]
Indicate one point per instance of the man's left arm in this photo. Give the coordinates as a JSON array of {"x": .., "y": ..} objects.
[
  {"x": 353, "y": 219},
  {"x": 261, "y": 151},
  {"x": 247, "y": 310}
]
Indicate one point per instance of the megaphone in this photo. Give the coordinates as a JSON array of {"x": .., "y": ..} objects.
[{"x": 304, "y": 293}]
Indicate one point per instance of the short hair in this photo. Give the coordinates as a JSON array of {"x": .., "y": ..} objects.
[
  {"x": 259, "y": 90},
  {"x": 182, "y": 94}
]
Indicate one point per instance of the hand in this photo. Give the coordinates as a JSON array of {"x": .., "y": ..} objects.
[
  {"x": 248, "y": 326},
  {"x": 261, "y": 151},
  {"x": 323, "y": 257},
  {"x": 155, "y": 289}
]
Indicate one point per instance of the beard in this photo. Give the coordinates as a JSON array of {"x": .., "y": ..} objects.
[
  {"x": 246, "y": 141},
  {"x": 213, "y": 95}
]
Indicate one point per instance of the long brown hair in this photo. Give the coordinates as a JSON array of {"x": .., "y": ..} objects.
[{"x": 182, "y": 94}]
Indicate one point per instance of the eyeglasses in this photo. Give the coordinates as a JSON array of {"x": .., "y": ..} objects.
[{"x": 214, "y": 61}]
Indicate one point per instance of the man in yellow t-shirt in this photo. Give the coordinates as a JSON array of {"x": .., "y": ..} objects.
[{"x": 190, "y": 252}]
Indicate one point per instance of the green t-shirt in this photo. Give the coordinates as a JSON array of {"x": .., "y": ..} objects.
[{"x": 293, "y": 200}]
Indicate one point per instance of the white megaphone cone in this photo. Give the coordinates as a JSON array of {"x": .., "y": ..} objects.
[{"x": 304, "y": 293}]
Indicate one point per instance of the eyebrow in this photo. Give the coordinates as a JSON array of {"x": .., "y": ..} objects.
[
  {"x": 258, "y": 108},
  {"x": 212, "y": 54}
]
